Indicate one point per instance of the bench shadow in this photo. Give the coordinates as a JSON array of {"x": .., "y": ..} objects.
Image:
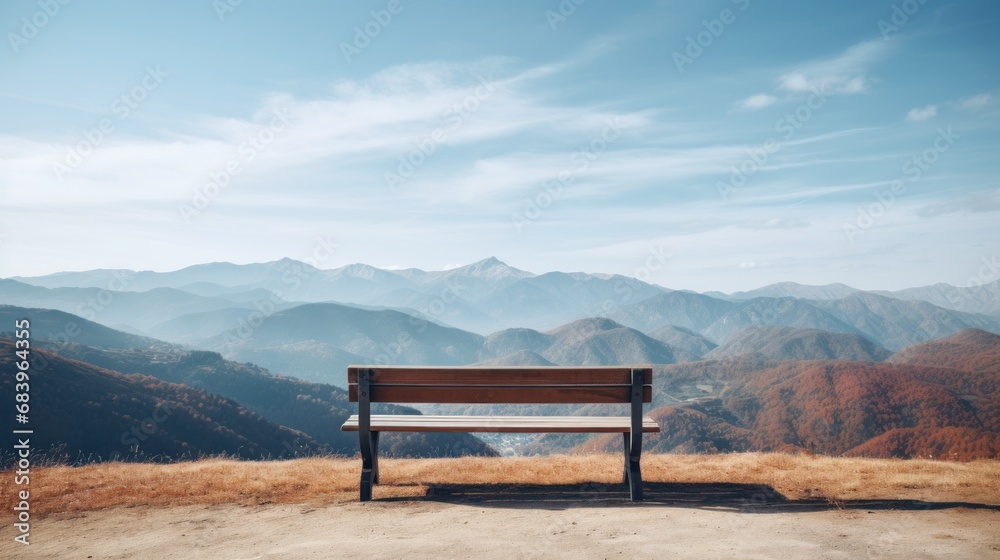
[{"x": 747, "y": 498}]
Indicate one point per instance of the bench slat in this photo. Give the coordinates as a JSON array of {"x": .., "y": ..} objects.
[
  {"x": 542, "y": 375},
  {"x": 482, "y": 394},
  {"x": 504, "y": 424}
]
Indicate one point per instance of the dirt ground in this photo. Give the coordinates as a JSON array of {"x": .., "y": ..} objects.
[{"x": 576, "y": 521}]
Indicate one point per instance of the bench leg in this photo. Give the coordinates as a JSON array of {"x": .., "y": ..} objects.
[
  {"x": 634, "y": 473},
  {"x": 625, "y": 470},
  {"x": 634, "y": 481},
  {"x": 375, "y": 457},
  {"x": 634, "y": 436},
  {"x": 367, "y": 463}
]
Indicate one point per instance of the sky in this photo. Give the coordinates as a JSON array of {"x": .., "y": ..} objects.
[{"x": 715, "y": 145}]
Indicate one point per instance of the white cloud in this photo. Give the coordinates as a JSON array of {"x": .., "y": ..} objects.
[
  {"x": 512, "y": 176},
  {"x": 976, "y": 101},
  {"x": 774, "y": 223},
  {"x": 754, "y": 102},
  {"x": 984, "y": 201},
  {"x": 378, "y": 119},
  {"x": 846, "y": 73},
  {"x": 920, "y": 115}
]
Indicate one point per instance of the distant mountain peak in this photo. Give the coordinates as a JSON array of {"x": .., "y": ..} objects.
[
  {"x": 360, "y": 270},
  {"x": 589, "y": 324},
  {"x": 794, "y": 289},
  {"x": 490, "y": 262},
  {"x": 492, "y": 268},
  {"x": 285, "y": 261}
]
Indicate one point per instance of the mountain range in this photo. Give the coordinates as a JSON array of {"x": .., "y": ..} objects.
[
  {"x": 482, "y": 297},
  {"x": 295, "y": 319},
  {"x": 829, "y": 369}
]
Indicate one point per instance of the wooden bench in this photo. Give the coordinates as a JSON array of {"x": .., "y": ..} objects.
[{"x": 496, "y": 385}]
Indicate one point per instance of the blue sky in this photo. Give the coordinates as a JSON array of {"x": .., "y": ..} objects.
[{"x": 711, "y": 146}]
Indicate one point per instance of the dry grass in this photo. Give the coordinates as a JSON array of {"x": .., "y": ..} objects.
[{"x": 322, "y": 481}]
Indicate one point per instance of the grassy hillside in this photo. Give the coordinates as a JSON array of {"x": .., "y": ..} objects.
[
  {"x": 82, "y": 413},
  {"x": 312, "y": 408}
]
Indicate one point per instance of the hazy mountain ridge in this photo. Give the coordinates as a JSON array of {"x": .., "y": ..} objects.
[
  {"x": 776, "y": 342},
  {"x": 789, "y": 312},
  {"x": 317, "y": 341},
  {"x": 685, "y": 339},
  {"x": 796, "y": 290},
  {"x": 345, "y": 335},
  {"x": 489, "y": 296},
  {"x": 140, "y": 310},
  {"x": 896, "y": 324},
  {"x": 600, "y": 341},
  {"x": 50, "y": 324},
  {"x": 972, "y": 298},
  {"x": 518, "y": 358},
  {"x": 688, "y": 310},
  {"x": 586, "y": 342}
]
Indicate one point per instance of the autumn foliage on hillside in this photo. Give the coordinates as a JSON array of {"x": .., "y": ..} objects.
[
  {"x": 840, "y": 408},
  {"x": 80, "y": 412},
  {"x": 832, "y": 407},
  {"x": 969, "y": 350}
]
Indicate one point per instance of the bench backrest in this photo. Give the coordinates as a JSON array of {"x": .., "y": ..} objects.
[{"x": 513, "y": 385}]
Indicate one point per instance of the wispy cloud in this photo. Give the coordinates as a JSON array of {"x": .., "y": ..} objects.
[
  {"x": 976, "y": 101},
  {"x": 985, "y": 201},
  {"x": 776, "y": 222},
  {"x": 357, "y": 124},
  {"x": 846, "y": 73},
  {"x": 754, "y": 102},
  {"x": 921, "y": 114}
]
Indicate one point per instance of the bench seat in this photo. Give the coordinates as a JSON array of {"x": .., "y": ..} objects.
[{"x": 502, "y": 424}]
